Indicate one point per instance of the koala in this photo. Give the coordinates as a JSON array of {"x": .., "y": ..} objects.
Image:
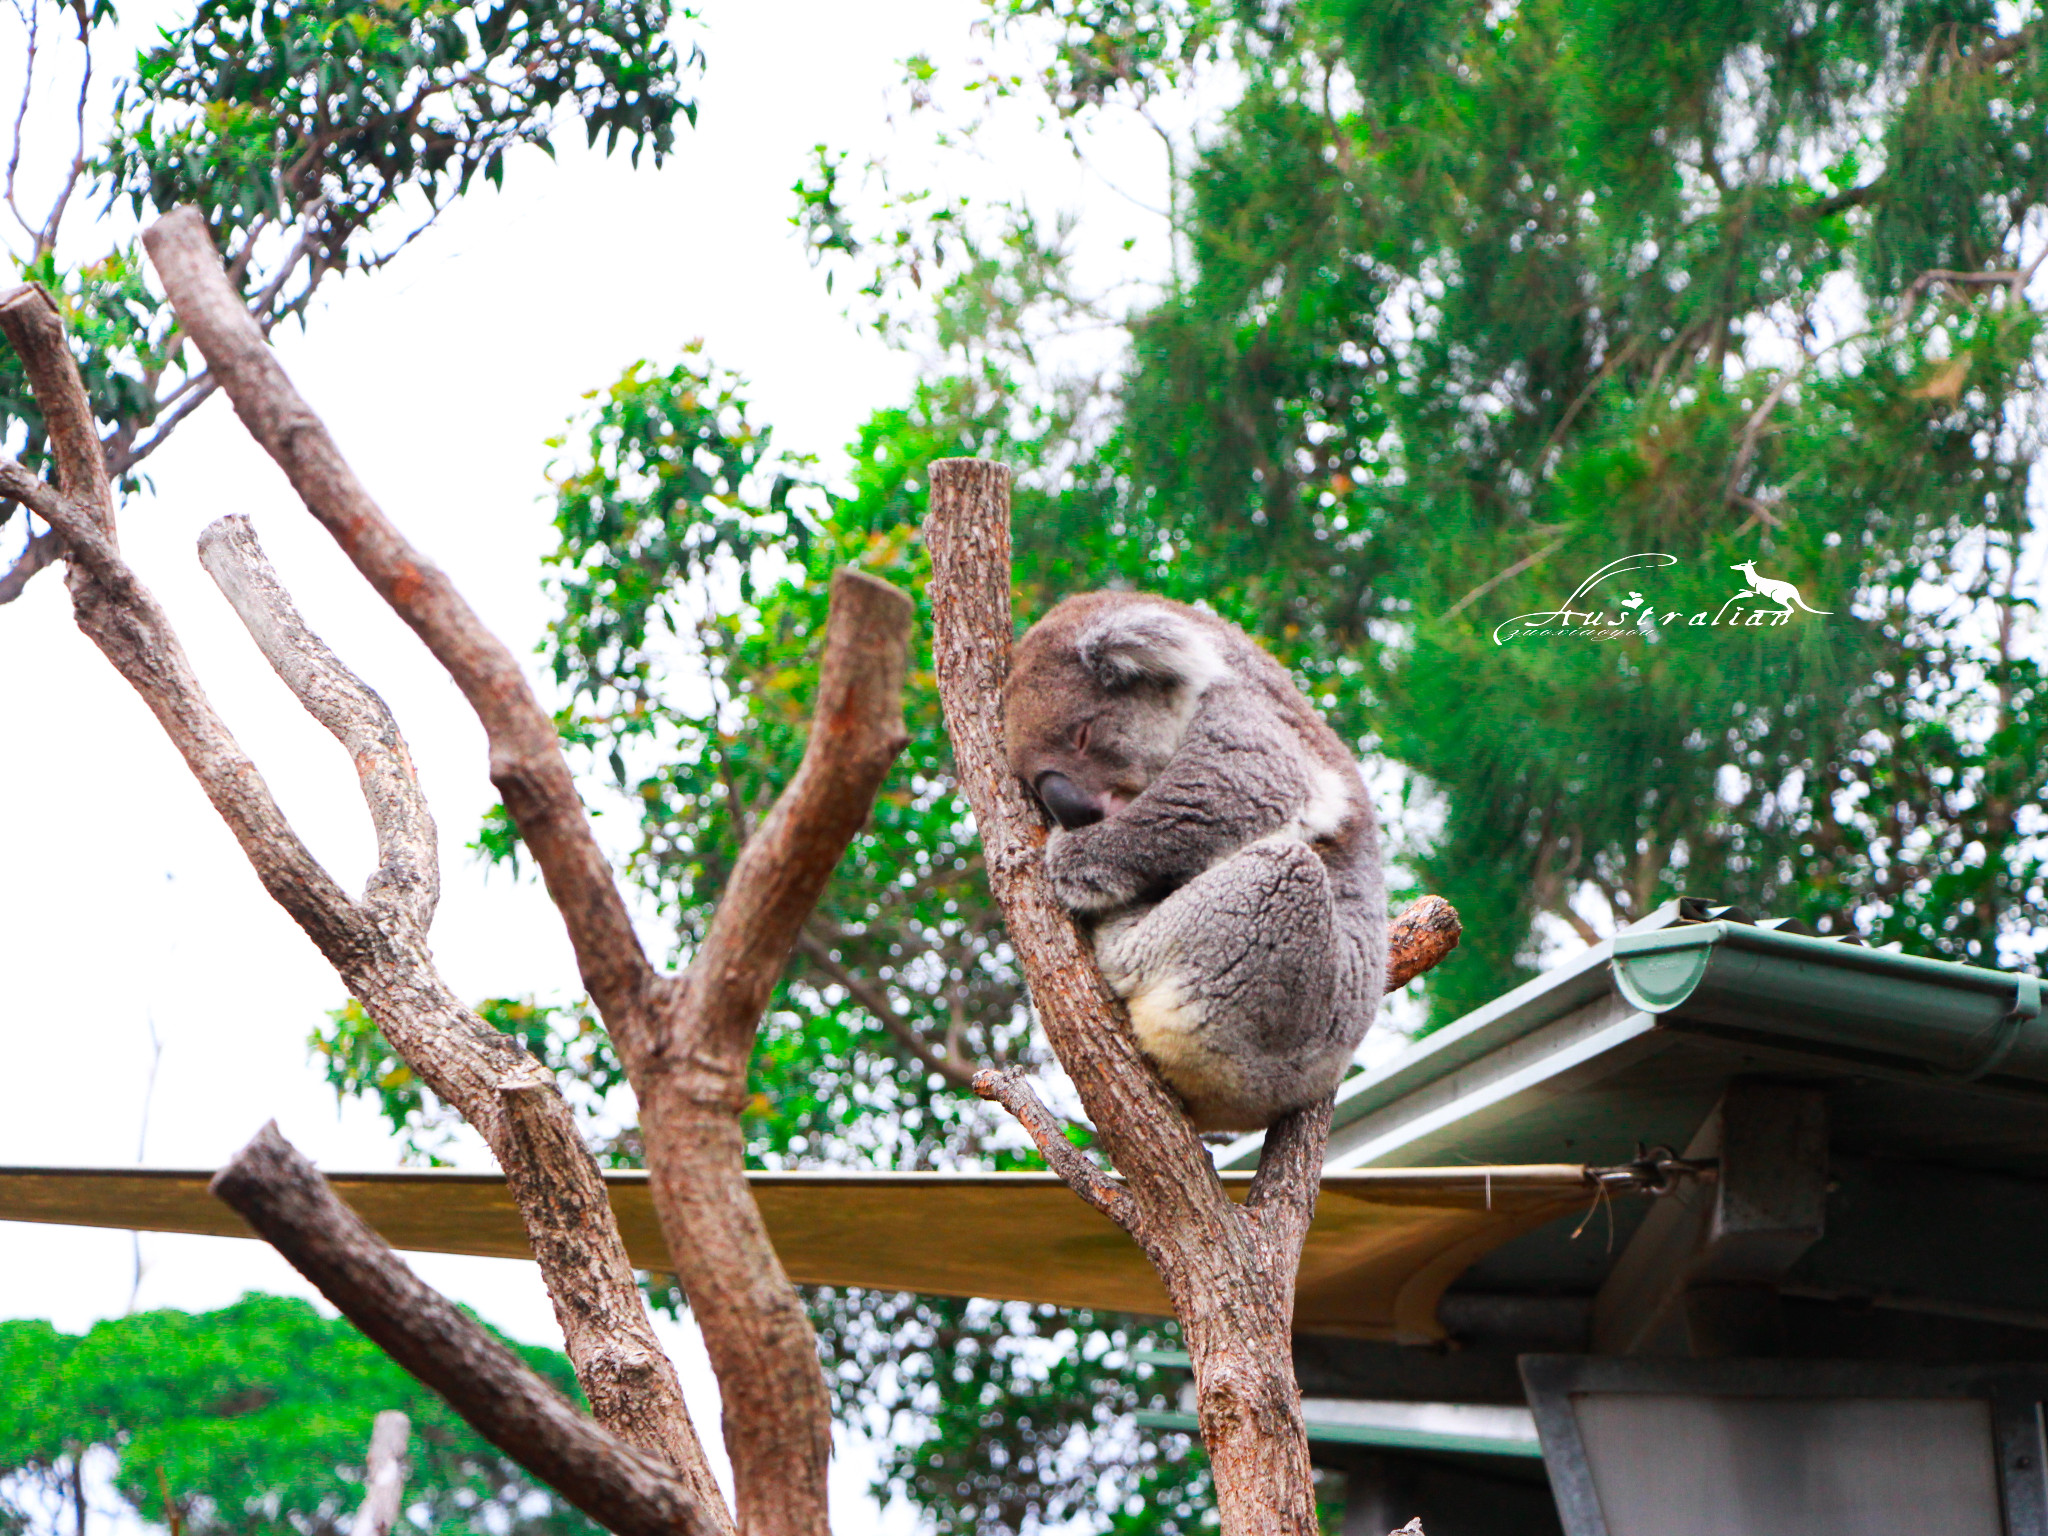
[{"x": 1214, "y": 837}]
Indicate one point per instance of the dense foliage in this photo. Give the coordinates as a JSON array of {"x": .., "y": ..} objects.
[
  {"x": 250, "y": 1421},
  {"x": 1481, "y": 300}
]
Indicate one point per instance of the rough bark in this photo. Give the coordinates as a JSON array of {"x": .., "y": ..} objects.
[
  {"x": 626, "y": 1490},
  {"x": 383, "y": 1476},
  {"x": 684, "y": 1040},
  {"x": 1229, "y": 1269},
  {"x": 376, "y": 944},
  {"x": 777, "y": 1411},
  {"x": 526, "y": 760}
]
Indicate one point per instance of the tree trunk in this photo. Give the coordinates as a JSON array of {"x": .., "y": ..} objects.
[{"x": 1229, "y": 1269}]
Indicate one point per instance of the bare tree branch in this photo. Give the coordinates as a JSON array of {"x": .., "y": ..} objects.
[
  {"x": 1419, "y": 938},
  {"x": 409, "y": 869},
  {"x": 46, "y": 237},
  {"x": 684, "y": 1041},
  {"x": 284, "y": 1198},
  {"x": 495, "y": 1085},
  {"x": 28, "y": 79},
  {"x": 43, "y": 549},
  {"x": 383, "y": 1476},
  {"x": 856, "y": 733},
  {"x": 1104, "y": 1191},
  {"x": 125, "y": 458},
  {"x": 379, "y": 948},
  {"x": 30, "y": 319},
  {"x": 526, "y": 760},
  {"x": 756, "y": 1330},
  {"x": 1231, "y": 1283}
]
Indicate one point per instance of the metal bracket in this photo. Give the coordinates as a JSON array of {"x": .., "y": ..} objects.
[{"x": 2026, "y": 1007}]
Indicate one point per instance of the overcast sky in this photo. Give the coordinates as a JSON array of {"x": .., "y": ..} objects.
[{"x": 126, "y": 909}]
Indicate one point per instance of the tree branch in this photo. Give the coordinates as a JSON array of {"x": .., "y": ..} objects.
[
  {"x": 684, "y": 1041},
  {"x": 284, "y": 1198},
  {"x": 383, "y": 1476},
  {"x": 1420, "y": 938},
  {"x": 43, "y": 549},
  {"x": 379, "y": 949},
  {"x": 1229, "y": 1270},
  {"x": 35, "y": 327},
  {"x": 968, "y": 534},
  {"x": 1105, "y": 1192},
  {"x": 856, "y": 733},
  {"x": 691, "y": 1087},
  {"x": 409, "y": 868},
  {"x": 526, "y": 759},
  {"x": 491, "y": 1081}
]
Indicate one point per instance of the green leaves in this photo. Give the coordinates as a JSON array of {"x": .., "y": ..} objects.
[
  {"x": 320, "y": 137},
  {"x": 1461, "y": 333},
  {"x": 250, "y": 1421},
  {"x": 693, "y": 570},
  {"x": 358, "y": 1063},
  {"x": 276, "y": 111},
  {"x": 1025, "y": 1413}
]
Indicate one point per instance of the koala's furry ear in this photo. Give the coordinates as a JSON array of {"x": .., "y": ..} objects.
[{"x": 1143, "y": 642}]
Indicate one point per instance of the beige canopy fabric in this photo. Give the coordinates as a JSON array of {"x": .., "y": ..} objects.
[{"x": 1384, "y": 1245}]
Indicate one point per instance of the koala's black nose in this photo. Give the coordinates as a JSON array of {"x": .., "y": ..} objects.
[{"x": 1068, "y": 802}]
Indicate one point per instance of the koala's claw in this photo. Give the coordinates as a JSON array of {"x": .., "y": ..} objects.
[{"x": 1077, "y": 887}]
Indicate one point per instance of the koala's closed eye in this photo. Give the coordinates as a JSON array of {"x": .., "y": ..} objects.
[{"x": 1215, "y": 836}]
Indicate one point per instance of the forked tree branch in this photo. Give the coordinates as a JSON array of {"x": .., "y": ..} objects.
[
  {"x": 495, "y": 1085},
  {"x": 34, "y": 326},
  {"x": 273, "y": 1188},
  {"x": 1416, "y": 940},
  {"x": 408, "y": 863},
  {"x": 377, "y": 946},
  {"x": 684, "y": 1040},
  {"x": 526, "y": 760}
]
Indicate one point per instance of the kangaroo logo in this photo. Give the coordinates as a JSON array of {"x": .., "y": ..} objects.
[{"x": 1783, "y": 593}]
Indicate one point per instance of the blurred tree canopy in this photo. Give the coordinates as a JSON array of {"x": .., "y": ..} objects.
[
  {"x": 250, "y": 1421},
  {"x": 1483, "y": 299},
  {"x": 318, "y": 138}
]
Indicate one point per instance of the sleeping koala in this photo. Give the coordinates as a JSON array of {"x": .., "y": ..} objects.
[{"x": 1215, "y": 837}]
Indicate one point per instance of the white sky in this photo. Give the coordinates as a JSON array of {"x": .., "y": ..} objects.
[{"x": 124, "y": 904}]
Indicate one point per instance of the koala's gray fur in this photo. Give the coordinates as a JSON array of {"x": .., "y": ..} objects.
[{"x": 1216, "y": 837}]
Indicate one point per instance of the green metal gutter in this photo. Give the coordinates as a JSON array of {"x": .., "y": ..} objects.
[
  {"x": 1878, "y": 1007},
  {"x": 1370, "y": 1434}
]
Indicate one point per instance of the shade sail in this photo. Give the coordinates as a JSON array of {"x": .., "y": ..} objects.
[{"x": 1385, "y": 1243}]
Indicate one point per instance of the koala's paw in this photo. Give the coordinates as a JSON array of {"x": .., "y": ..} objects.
[{"x": 1080, "y": 883}]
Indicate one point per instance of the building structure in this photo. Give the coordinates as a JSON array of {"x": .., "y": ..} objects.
[
  {"x": 1835, "y": 1312},
  {"x": 1830, "y": 1314}
]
